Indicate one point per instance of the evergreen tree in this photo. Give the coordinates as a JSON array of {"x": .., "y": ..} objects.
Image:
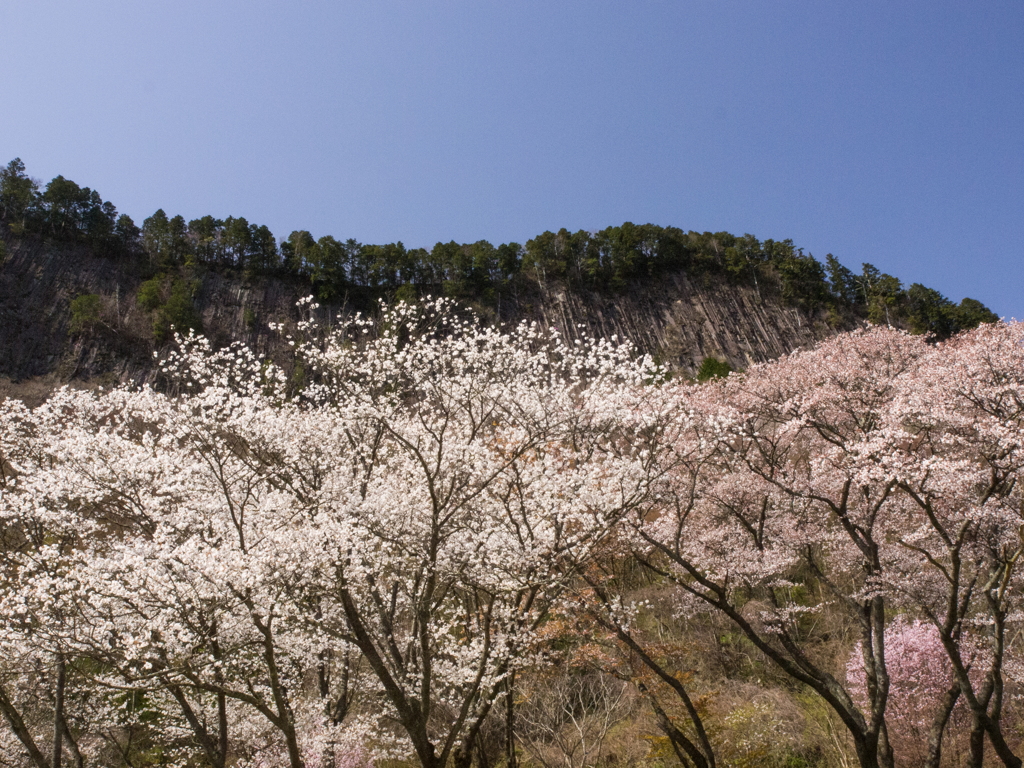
[
  {"x": 237, "y": 242},
  {"x": 299, "y": 253},
  {"x": 129, "y": 236},
  {"x": 17, "y": 194},
  {"x": 205, "y": 237},
  {"x": 928, "y": 311},
  {"x": 264, "y": 257},
  {"x": 842, "y": 281},
  {"x": 971, "y": 313},
  {"x": 156, "y": 238},
  {"x": 63, "y": 205},
  {"x": 882, "y": 294}
]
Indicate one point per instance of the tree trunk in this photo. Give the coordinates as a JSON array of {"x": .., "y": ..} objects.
[
  {"x": 977, "y": 744},
  {"x": 999, "y": 744},
  {"x": 73, "y": 746},
  {"x": 58, "y": 712},
  {"x": 481, "y": 751},
  {"x": 222, "y": 727},
  {"x": 886, "y": 758},
  {"x": 222, "y": 703},
  {"x": 867, "y": 752},
  {"x": 510, "y": 730},
  {"x": 216, "y": 752},
  {"x": 681, "y": 745},
  {"x": 17, "y": 724},
  {"x": 939, "y": 726}
]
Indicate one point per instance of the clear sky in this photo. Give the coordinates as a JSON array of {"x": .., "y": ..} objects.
[{"x": 888, "y": 132}]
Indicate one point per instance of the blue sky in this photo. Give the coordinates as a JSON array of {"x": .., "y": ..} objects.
[{"x": 886, "y": 132}]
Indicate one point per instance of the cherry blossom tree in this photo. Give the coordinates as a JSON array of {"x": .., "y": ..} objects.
[
  {"x": 955, "y": 449},
  {"x": 43, "y": 543},
  {"x": 773, "y": 511},
  {"x": 422, "y": 499},
  {"x": 922, "y": 689},
  {"x": 483, "y": 468},
  {"x": 355, "y": 555},
  {"x": 876, "y": 472}
]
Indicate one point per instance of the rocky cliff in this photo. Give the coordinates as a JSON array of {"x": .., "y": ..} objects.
[
  {"x": 682, "y": 321},
  {"x": 679, "y": 319}
]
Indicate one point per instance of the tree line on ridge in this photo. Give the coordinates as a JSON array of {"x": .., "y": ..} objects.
[{"x": 610, "y": 261}]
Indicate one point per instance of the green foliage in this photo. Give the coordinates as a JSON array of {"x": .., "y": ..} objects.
[
  {"x": 69, "y": 212},
  {"x": 150, "y": 294},
  {"x": 156, "y": 237},
  {"x": 971, "y": 313},
  {"x": 329, "y": 267},
  {"x": 170, "y": 298},
  {"x": 713, "y": 368},
  {"x": 263, "y": 255},
  {"x": 406, "y": 293},
  {"x": 882, "y": 294},
  {"x": 17, "y": 193},
  {"x": 204, "y": 234},
  {"x": 842, "y": 281},
  {"x": 127, "y": 235},
  {"x": 299, "y": 252},
  {"x": 610, "y": 261},
  {"x": 178, "y": 313},
  {"x": 928, "y": 311},
  {"x": 803, "y": 281},
  {"x": 85, "y": 314},
  {"x": 164, "y": 240}
]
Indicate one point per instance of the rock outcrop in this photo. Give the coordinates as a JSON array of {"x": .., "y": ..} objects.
[{"x": 679, "y": 319}]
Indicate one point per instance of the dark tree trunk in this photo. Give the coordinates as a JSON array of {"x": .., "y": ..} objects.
[
  {"x": 17, "y": 724},
  {"x": 681, "y": 745},
  {"x": 58, "y": 712},
  {"x": 481, "y": 751},
  {"x": 995, "y": 735},
  {"x": 977, "y": 744},
  {"x": 867, "y": 752},
  {"x": 510, "y": 730},
  {"x": 939, "y": 726}
]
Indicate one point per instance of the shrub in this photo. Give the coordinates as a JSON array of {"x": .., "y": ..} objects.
[
  {"x": 85, "y": 313},
  {"x": 150, "y": 294},
  {"x": 177, "y": 314},
  {"x": 713, "y": 368}
]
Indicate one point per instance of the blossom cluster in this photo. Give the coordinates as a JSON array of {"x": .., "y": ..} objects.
[{"x": 352, "y": 564}]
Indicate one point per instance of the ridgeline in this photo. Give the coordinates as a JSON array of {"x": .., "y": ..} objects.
[{"x": 87, "y": 295}]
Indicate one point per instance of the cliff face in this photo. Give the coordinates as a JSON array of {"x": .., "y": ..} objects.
[
  {"x": 39, "y": 281},
  {"x": 682, "y": 321},
  {"x": 678, "y": 319}
]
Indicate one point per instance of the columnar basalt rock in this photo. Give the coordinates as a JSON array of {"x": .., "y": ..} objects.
[{"x": 679, "y": 319}]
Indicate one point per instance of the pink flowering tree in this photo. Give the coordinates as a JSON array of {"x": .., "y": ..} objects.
[
  {"x": 922, "y": 689},
  {"x": 353, "y": 558},
  {"x": 773, "y": 510},
  {"x": 875, "y": 473},
  {"x": 956, "y": 447}
]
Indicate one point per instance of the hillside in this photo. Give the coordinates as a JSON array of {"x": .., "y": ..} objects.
[
  {"x": 86, "y": 295},
  {"x": 589, "y": 572},
  {"x": 677, "y": 318}
]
